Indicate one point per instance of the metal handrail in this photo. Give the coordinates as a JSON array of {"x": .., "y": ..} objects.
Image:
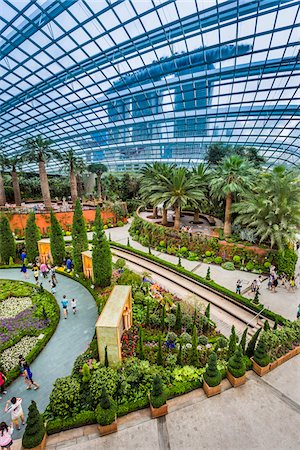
[{"x": 258, "y": 314}]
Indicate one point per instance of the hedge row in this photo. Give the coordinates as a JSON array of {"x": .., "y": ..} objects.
[{"x": 210, "y": 284}]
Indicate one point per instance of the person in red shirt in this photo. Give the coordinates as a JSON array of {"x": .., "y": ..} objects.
[{"x": 2, "y": 383}]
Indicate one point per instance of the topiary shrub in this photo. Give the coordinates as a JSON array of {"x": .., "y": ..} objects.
[
  {"x": 106, "y": 410},
  {"x": 185, "y": 338},
  {"x": 208, "y": 253},
  {"x": 222, "y": 342},
  {"x": 261, "y": 356},
  {"x": 65, "y": 397},
  {"x": 162, "y": 244},
  {"x": 252, "y": 343},
  {"x": 35, "y": 428},
  {"x": 86, "y": 373},
  {"x": 120, "y": 263},
  {"x": 203, "y": 340},
  {"x": 158, "y": 395},
  {"x": 236, "y": 365},
  {"x": 228, "y": 265},
  {"x": 267, "y": 265},
  {"x": 218, "y": 260},
  {"x": 103, "y": 377},
  {"x": 212, "y": 375},
  {"x": 236, "y": 259},
  {"x": 250, "y": 266}
]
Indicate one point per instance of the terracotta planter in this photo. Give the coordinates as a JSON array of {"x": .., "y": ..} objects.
[
  {"x": 108, "y": 429},
  {"x": 158, "y": 412},
  {"x": 236, "y": 382},
  {"x": 274, "y": 364},
  {"x": 297, "y": 350},
  {"x": 211, "y": 391},
  {"x": 261, "y": 371},
  {"x": 41, "y": 446}
]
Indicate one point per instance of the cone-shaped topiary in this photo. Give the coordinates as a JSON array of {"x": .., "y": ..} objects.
[
  {"x": 79, "y": 237},
  {"x": 256, "y": 297},
  {"x": 261, "y": 356},
  {"x": 194, "y": 354},
  {"x": 208, "y": 274},
  {"x": 158, "y": 396},
  {"x": 35, "y": 428},
  {"x": 106, "y": 364},
  {"x": 32, "y": 236},
  {"x": 244, "y": 340},
  {"x": 233, "y": 339},
  {"x": 266, "y": 326},
  {"x": 163, "y": 318},
  {"x": 178, "y": 323},
  {"x": 252, "y": 343},
  {"x": 207, "y": 311},
  {"x": 275, "y": 324},
  {"x": 57, "y": 242},
  {"x": 140, "y": 347},
  {"x": 86, "y": 373},
  {"x": 7, "y": 241},
  {"x": 101, "y": 255},
  {"x": 159, "y": 357},
  {"x": 236, "y": 365},
  {"x": 106, "y": 410},
  {"x": 212, "y": 375}
]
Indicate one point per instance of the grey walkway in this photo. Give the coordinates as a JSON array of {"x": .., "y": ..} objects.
[{"x": 70, "y": 339}]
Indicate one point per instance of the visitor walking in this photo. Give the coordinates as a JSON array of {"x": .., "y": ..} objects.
[
  {"x": 5, "y": 435},
  {"x": 53, "y": 274},
  {"x": 74, "y": 305},
  {"x": 65, "y": 304},
  {"x": 35, "y": 270},
  {"x": 274, "y": 285},
  {"x": 14, "y": 406},
  {"x": 28, "y": 376},
  {"x": 53, "y": 287},
  {"x": 253, "y": 286},
  {"x": 270, "y": 282},
  {"x": 23, "y": 255},
  {"x": 298, "y": 312},
  {"x": 238, "y": 287},
  {"x": 44, "y": 270},
  {"x": 24, "y": 271},
  {"x": 69, "y": 264},
  {"x": 2, "y": 383},
  {"x": 292, "y": 284}
]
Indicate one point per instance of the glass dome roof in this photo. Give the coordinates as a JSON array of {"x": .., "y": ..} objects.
[{"x": 123, "y": 82}]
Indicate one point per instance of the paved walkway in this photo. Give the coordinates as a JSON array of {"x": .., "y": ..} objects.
[{"x": 70, "y": 339}]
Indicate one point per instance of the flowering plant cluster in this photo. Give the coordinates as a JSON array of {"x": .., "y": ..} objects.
[
  {"x": 129, "y": 342},
  {"x": 12, "y": 306},
  {"x": 9, "y": 357}
]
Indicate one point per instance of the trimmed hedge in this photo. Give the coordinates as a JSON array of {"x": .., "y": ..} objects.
[
  {"x": 79, "y": 420},
  {"x": 210, "y": 284}
]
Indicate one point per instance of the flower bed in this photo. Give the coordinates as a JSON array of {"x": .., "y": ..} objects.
[{"x": 27, "y": 321}]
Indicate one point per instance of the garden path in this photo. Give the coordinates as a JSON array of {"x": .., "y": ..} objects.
[{"x": 70, "y": 339}]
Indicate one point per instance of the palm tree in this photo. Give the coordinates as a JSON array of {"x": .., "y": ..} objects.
[
  {"x": 12, "y": 163},
  {"x": 201, "y": 173},
  {"x": 231, "y": 177},
  {"x": 99, "y": 170},
  {"x": 149, "y": 182},
  {"x": 177, "y": 190},
  {"x": 74, "y": 165},
  {"x": 273, "y": 208},
  {"x": 81, "y": 168},
  {"x": 37, "y": 149},
  {"x": 2, "y": 190}
]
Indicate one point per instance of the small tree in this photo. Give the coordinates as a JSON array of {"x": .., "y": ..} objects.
[
  {"x": 7, "y": 241},
  {"x": 32, "y": 236},
  {"x": 252, "y": 343},
  {"x": 35, "y": 428},
  {"x": 212, "y": 375},
  {"x": 256, "y": 297},
  {"x": 79, "y": 237},
  {"x": 106, "y": 410},
  {"x": 128, "y": 242},
  {"x": 244, "y": 340},
  {"x": 86, "y": 373},
  {"x": 178, "y": 323},
  {"x": 275, "y": 324},
  {"x": 140, "y": 348},
  {"x": 266, "y": 326},
  {"x": 236, "y": 365},
  {"x": 158, "y": 396},
  {"x": 208, "y": 274},
  {"x": 179, "y": 261},
  {"x": 159, "y": 356},
  {"x": 101, "y": 255},
  {"x": 207, "y": 311},
  {"x": 57, "y": 243},
  {"x": 106, "y": 364},
  {"x": 233, "y": 339},
  {"x": 261, "y": 356},
  {"x": 194, "y": 354}
]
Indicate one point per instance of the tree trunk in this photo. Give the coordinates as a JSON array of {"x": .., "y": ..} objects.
[
  {"x": 177, "y": 218},
  {"x": 154, "y": 212},
  {"x": 16, "y": 187},
  {"x": 44, "y": 185},
  {"x": 2, "y": 191},
  {"x": 99, "y": 190},
  {"x": 196, "y": 216},
  {"x": 73, "y": 185},
  {"x": 164, "y": 217},
  {"x": 227, "y": 224},
  {"x": 79, "y": 185}
]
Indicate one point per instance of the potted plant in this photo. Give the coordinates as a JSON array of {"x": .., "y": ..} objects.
[
  {"x": 35, "y": 433},
  {"x": 212, "y": 377},
  {"x": 236, "y": 368},
  {"x": 158, "y": 399},
  {"x": 261, "y": 359},
  {"x": 106, "y": 413}
]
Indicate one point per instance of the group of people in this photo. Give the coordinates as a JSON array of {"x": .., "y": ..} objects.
[
  {"x": 65, "y": 304},
  {"x": 290, "y": 283},
  {"x": 13, "y": 406}
]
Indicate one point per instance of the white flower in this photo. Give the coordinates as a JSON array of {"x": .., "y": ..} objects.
[
  {"x": 12, "y": 306},
  {"x": 208, "y": 346},
  {"x": 188, "y": 345},
  {"x": 199, "y": 347},
  {"x": 10, "y": 356}
]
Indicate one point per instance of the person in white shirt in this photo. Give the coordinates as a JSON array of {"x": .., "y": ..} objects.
[
  {"x": 14, "y": 406},
  {"x": 74, "y": 305}
]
